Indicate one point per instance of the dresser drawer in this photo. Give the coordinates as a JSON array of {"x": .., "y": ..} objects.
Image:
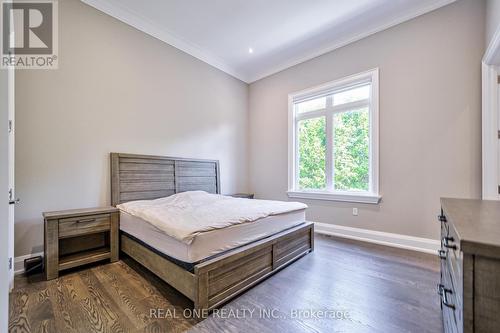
[
  {"x": 449, "y": 303},
  {"x": 83, "y": 225},
  {"x": 444, "y": 223},
  {"x": 455, "y": 259},
  {"x": 444, "y": 229}
]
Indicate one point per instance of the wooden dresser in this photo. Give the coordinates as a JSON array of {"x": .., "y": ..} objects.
[
  {"x": 470, "y": 265},
  {"x": 78, "y": 237}
]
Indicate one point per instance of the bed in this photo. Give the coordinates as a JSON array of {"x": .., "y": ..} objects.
[{"x": 206, "y": 270}]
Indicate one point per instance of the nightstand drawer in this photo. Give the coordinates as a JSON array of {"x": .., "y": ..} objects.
[{"x": 83, "y": 225}]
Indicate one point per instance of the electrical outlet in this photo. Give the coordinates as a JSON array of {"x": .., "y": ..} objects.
[{"x": 355, "y": 212}]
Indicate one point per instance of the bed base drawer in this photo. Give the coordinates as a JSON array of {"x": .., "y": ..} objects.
[
  {"x": 220, "y": 279},
  {"x": 223, "y": 278}
]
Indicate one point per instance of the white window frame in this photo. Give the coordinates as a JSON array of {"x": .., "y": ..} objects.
[{"x": 371, "y": 196}]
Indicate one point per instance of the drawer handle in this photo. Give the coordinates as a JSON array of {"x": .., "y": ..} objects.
[
  {"x": 442, "y": 218},
  {"x": 446, "y": 242},
  {"x": 442, "y": 254},
  {"x": 443, "y": 292},
  {"x": 85, "y": 221}
]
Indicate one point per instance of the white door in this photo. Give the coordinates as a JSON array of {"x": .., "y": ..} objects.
[
  {"x": 5, "y": 275},
  {"x": 11, "y": 159}
]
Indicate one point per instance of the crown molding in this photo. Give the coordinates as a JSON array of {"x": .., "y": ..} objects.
[{"x": 141, "y": 23}]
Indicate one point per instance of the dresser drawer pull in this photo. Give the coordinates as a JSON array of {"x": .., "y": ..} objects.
[
  {"x": 85, "y": 221},
  {"x": 446, "y": 242},
  {"x": 443, "y": 292},
  {"x": 442, "y": 254},
  {"x": 444, "y": 299},
  {"x": 442, "y": 218}
]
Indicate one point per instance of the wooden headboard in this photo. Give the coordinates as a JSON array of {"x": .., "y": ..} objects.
[{"x": 144, "y": 177}]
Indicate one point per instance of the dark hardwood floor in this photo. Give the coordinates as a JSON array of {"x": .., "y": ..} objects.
[{"x": 359, "y": 287}]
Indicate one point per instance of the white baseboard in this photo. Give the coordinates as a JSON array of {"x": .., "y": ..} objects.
[
  {"x": 19, "y": 262},
  {"x": 378, "y": 237}
]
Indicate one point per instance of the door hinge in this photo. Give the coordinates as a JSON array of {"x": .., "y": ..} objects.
[
  {"x": 10, "y": 263},
  {"x": 11, "y": 195},
  {"x": 11, "y": 126}
]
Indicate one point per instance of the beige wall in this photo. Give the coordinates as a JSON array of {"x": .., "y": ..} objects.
[
  {"x": 119, "y": 90},
  {"x": 492, "y": 18},
  {"x": 430, "y": 116}
]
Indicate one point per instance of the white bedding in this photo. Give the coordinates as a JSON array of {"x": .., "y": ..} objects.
[
  {"x": 185, "y": 215},
  {"x": 210, "y": 243}
]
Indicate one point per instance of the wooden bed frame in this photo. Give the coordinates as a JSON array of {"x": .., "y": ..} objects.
[{"x": 217, "y": 280}]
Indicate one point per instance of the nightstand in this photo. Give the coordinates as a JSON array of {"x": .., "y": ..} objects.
[
  {"x": 78, "y": 237},
  {"x": 242, "y": 195}
]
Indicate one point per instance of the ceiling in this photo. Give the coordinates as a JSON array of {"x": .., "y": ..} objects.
[{"x": 281, "y": 33}]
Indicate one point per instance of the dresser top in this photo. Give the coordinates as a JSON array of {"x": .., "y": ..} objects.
[
  {"x": 477, "y": 223},
  {"x": 79, "y": 212}
]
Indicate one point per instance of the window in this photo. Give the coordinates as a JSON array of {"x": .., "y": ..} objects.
[{"x": 333, "y": 144}]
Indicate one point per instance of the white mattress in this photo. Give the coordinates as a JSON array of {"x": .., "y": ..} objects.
[
  {"x": 187, "y": 214},
  {"x": 208, "y": 243}
]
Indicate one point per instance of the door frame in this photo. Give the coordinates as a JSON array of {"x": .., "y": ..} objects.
[
  {"x": 490, "y": 71},
  {"x": 11, "y": 82},
  {"x": 4, "y": 206}
]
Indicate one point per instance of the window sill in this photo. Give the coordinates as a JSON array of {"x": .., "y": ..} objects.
[{"x": 351, "y": 197}]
